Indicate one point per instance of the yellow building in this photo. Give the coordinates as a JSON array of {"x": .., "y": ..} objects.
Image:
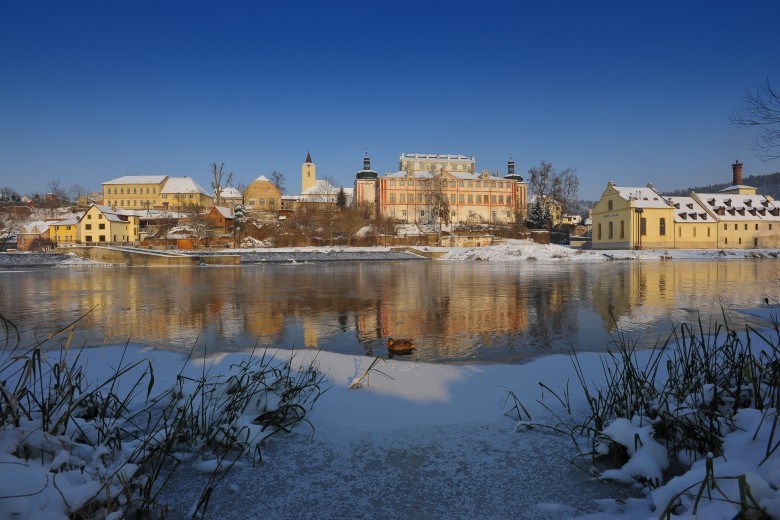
[
  {"x": 134, "y": 191},
  {"x": 736, "y": 217},
  {"x": 65, "y": 232},
  {"x": 101, "y": 225},
  {"x": 417, "y": 195},
  {"x": 180, "y": 193},
  {"x": 262, "y": 195}
]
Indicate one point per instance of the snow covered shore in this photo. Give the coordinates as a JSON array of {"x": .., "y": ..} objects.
[
  {"x": 512, "y": 251},
  {"x": 414, "y": 441}
]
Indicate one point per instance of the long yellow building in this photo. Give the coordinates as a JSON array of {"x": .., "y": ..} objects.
[{"x": 641, "y": 218}]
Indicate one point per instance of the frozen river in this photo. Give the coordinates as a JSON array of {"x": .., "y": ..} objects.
[{"x": 456, "y": 312}]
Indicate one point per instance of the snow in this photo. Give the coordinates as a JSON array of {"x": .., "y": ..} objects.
[{"x": 412, "y": 439}]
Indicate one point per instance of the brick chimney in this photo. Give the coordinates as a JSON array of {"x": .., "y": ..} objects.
[{"x": 736, "y": 169}]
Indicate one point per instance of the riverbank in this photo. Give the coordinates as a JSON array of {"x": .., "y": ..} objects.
[{"x": 512, "y": 251}]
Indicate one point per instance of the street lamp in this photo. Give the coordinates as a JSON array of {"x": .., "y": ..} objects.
[{"x": 639, "y": 212}]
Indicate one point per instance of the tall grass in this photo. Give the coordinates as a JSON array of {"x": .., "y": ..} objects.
[
  {"x": 123, "y": 436},
  {"x": 688, "y": 389}
]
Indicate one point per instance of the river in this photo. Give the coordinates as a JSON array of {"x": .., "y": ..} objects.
[{"x": 455, "y": 312}]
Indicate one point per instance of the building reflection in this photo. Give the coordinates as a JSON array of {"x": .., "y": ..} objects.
[{"x": 453, "y": 311}]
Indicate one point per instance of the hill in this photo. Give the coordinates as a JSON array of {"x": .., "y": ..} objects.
[{"x": 767, "y": 185}]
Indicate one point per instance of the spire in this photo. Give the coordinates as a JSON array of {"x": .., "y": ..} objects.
[
  {"x": 308, "y": 156},
  {"x": 510, "y": 166},
  {"x": 366, "y": 161}
]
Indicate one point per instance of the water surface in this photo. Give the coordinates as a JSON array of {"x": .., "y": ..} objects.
[{"x": 455, "y": 312}]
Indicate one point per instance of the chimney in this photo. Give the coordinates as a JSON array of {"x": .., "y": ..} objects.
[{"x": 736, "y": 169}]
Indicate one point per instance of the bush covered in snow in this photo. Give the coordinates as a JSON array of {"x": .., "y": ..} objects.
[
  {"x": 103, "y": 446},
  {"x": 695, "y": 422}
]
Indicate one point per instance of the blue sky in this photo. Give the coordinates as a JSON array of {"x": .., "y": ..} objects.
[{"x": 631, "y": 91}]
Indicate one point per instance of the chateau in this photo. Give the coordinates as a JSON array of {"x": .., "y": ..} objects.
[{"x": 427, "y": 185}]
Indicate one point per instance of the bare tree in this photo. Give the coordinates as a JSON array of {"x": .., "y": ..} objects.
[
  {"x": 762, "y": 109},
  {"x": 217, "y": 184},
  {"x": 241, "y": 187},
  {"x": 553, "y": 187},
  {"x": 439, "y": 204},
  {"x": 278, "y": 179},
  {"x": 197, "y": 221}
]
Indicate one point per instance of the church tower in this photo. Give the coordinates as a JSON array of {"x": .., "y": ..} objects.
[{"x": 308, "y": 174}]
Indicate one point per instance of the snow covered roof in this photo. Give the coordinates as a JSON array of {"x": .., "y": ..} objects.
[
  {"x": 422, "y": 174},
  {"x": 263, "y": 178},
  {"x": 645, "y": 197},
  {"x": 110, "y": 214},
  {"x": 739, "y": 207},
  {"x": 321, "y": 187},
  {"x": 37, "y": 227},
  {"x": 71, "y": 221},
  {"x": 231, "y": 193},
  {"x": 138, "y": 179},
  {"x": 688, "y": 209},
  {"x": 183, "y": 185},
  {"x": 225, "y": 212},
  {"x": 436, "y": 157}
]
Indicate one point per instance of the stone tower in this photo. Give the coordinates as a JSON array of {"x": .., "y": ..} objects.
[{"x": 308, "y": 174}]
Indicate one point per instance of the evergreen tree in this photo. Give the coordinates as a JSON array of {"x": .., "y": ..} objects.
[
  {"x": 538, "y": 215},
  {"x": 341, "y": 199}
]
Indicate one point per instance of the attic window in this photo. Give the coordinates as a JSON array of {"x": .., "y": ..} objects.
[
  {"x": 703, "y": 216},
  {"x": 727, "y": 202},
  {"x": 711, "y": 202},
  {"x": 690, "y": 206},
  {"x": 748, "y": 203},
  {"x": 676, "y": 205}
]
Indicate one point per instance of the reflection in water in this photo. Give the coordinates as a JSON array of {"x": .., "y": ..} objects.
[{"x": 454, "y": 312}]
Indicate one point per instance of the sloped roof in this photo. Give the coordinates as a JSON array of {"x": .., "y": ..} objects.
[
  {"x": 422, "y": 174},
  {"x": 230, "y": 193},
  {"x": 740, "y": 207},
  {"x": 37, "y": 227},
  {"x": 183, "y": 185},
  {"x": 138, "y": 179},
  {"x": 688, "y": 209},
  {"x": 645, "y": 197},
  {"x": 225, "y": 212}
]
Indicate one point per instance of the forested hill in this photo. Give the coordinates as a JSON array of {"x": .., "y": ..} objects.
[{"x": 766, "y": 184}]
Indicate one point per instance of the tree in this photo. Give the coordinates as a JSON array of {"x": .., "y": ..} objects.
[
  {"x": 198, "y": 222},
  {"x": 538, "y": 215},
  {"x": 439, "y": 202},
  {"x": 9, "y": 196},
  {"x": 217, "y": 175},
  {"x": 341, "y": 199},
  {"x": 762, "y": 109},
  {"x": 278, "y": 179},
  {"x": 239, "y": 218},
  {"x": 554, "y": 187}
]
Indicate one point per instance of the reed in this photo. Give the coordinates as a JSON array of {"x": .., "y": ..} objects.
[{"x": 124, "y": 436}]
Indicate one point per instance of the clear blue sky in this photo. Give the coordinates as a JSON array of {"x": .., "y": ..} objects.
[{"x": 631, "y": 91}]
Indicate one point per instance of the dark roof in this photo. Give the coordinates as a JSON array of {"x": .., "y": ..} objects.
[
  {"x": 513, "y": 177},
  {"x": 366, "y": 174},
  {"x": 308, "y": 157}
]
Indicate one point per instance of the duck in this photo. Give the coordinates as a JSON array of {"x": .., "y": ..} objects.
[{"x": 399, "y": 344}]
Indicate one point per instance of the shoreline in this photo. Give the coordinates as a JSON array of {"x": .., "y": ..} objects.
[{"x": 514, "y": 251}]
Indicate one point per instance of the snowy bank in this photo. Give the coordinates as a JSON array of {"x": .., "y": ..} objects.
[{"x": 412, "y": 440}]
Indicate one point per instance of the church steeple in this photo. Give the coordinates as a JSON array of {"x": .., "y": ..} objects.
[
  {"x": 366, "y": 162},
  {"x": 308, "y": 173}
]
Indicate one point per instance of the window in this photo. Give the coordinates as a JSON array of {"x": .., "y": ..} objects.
[
  {"x": 471, "y": 198},
  {"x": 89, "y": 217},
  {"x": 452, "y": 198},
  {"x": 135, "y": 191},
  {"x": 756, "y": 227},
  {"x": 679, "y": 232},
  {"x": 622, "y": 229},
  {"x": 770, "y": 227},
  {"x": 642, "y": 226},
  {"x": 461, "y": 198},
  {"x": 122, "y": 191},
  {"x": 736, "y": 227},
  {"x": 88, "y": 227},
  {"x": 403, "y": 198},
  {"x": 392, "y": 198},
  {"x": 725, "y": 227},
  {"x": 694, "y": 231},
  {"x": 662, "y": 227},
  {"x": 392, "y": 183},
  {"x": 403, "y": 213},
  {"x": 402, "y": 182},
  {"x": 745, "y": 227},
  {"x": 461, "y": 184},
  {"x": 493, "y": 199},
  {"x": 609, "y": 205},
  {"x": 610, "y": 230},
  {"x": 102, "y": 238},
  {"x": 726, "y": 240},
  {"x": 101, "y": 226},
  {"x": 100, "y": 216},
  {"x": 419, "y": 198},
  {"x": 88, "y": 238},
  {"x": 500, "y": 199},
  {"x": 708, "y": 231}
]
